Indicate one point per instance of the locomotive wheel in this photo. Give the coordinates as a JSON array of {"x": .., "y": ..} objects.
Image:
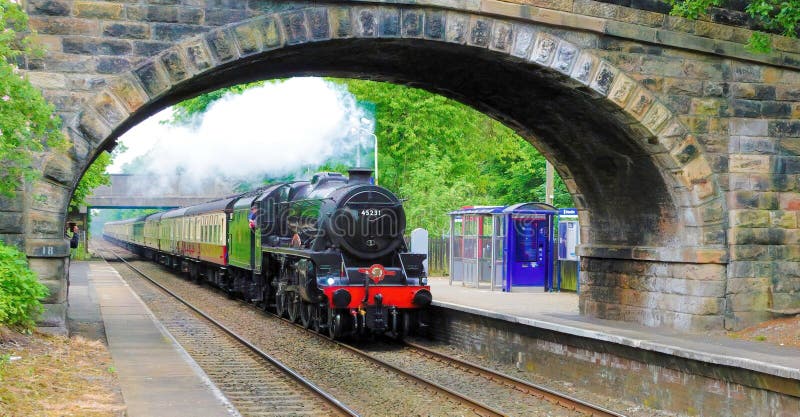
[
  {"x": 280, "y": 304},
  {"x": 293, "y": 307},
  {"x": 405, "y": 326},
  {"x": 334, "y": 324},
  {"x": 306, "y": 314},
  {"x": 321, "y": 319}
]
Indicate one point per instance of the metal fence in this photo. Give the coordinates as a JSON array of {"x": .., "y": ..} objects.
[{"x": 439, "y": 256}]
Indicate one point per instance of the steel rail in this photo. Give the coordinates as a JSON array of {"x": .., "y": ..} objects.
[
  {"x": 336, "y": 404},
  {"x": 552, "y": 396},
  {"x": 478, "y": 407}
]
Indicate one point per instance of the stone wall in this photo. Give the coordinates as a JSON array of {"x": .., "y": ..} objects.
[{"x": 651, "y": 379}]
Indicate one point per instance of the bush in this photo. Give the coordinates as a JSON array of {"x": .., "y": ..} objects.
[{"x": 20, "y": 290}]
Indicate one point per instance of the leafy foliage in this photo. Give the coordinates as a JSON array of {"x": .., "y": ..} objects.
[
  {"x": 779, "y": 16},
  {"x": 94, "y": 177},
  {"x": 27, "y": 123},
  {"x": 20, "y": 291},
  {"x": 441, "y": 155}
]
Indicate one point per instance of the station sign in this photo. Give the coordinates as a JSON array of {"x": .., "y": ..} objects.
[{"x": 568, "y": 212}]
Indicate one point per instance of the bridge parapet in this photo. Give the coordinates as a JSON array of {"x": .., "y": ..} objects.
[{"x": 128, "y": 191}]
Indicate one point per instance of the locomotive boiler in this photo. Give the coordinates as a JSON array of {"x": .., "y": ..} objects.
[{"x": 328, "y": 252}]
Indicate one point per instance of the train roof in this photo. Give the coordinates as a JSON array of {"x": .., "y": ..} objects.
[
  {"x": 155, "y": 216},
  {"x": 217, "y": 205},
  {"x": 173, "y": 213},
  {"x": 125, "y": 221}
]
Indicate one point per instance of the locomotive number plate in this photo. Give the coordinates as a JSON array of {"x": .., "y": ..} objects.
[{"x": 370, "y": 212}]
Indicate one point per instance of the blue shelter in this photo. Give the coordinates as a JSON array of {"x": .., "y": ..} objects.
[{"x": 498, "y": 247}]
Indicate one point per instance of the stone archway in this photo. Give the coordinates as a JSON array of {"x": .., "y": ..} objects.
[{"x": 650, "y": 206}]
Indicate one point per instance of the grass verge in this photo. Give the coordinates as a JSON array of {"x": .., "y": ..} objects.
[{"x": 42, "y": 375}]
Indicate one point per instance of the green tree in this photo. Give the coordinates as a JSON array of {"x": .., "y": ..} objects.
[
  {"x": 440, "y": 154},
  {"x": 20, "y": 291},
  {"x": 94, "y": 177},
  {"x": 27, "y": 123},
  {"x": 778, "y": 16}
]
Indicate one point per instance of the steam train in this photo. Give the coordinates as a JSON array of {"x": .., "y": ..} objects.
[{"x": 328, "y": 252}]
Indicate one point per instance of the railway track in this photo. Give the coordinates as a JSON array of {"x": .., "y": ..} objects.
[
  {"x": 478, "y": 389},
  {"x": 255, "y": 382},
  {"x": 516, "y": 384},
  {"x": 510, "y": 395}
]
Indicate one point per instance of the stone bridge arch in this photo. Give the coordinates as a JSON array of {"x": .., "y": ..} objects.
[{"x": 653, "y": 209}]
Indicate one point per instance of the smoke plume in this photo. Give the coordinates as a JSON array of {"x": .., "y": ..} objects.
[{"x": 273, "y": 130}]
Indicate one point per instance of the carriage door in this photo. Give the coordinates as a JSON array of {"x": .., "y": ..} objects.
[{"x": 528, "y": 250}]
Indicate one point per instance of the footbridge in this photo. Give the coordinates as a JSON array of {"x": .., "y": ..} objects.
[{"x": 149, "y": 191}]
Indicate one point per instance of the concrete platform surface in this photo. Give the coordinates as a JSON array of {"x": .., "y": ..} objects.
[
  {"x": 157, "y": 376},
  {"x": 559, "y": 312}
]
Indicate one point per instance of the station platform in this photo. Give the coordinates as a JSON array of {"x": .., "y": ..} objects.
[
  {"x": 157, "y": 377},
  {"x": 559, "y": 312}
]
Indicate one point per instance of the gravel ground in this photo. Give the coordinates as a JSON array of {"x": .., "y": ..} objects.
[
  {"x": 504, "y": 398},
  {"x": 619, "y": 405},
  {"x": 363, "y": 386}
]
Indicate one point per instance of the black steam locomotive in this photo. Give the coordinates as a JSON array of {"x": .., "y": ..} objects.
[{"x": 328, "y": 253}]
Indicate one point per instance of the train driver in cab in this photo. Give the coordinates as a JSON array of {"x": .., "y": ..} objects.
[{"x": 252, "y": 217}]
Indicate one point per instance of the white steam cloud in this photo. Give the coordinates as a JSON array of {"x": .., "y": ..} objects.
[{"x": 274, "y": 130}]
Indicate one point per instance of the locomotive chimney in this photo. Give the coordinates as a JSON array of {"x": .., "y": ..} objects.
[{"x": 359, "y": 175}]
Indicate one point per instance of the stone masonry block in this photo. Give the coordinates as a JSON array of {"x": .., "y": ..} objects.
[
  {"x": 49, "y": 269},
  {"x": 703, "y": 272},
  {"x": 783, "y": 219},
  {"x": 109, "y": 109},
  {"x": 153, "y": 78},
  {"x": 49, "y": 7},
  {"x": 318, "y": 23},
  {"x": 750, "y": 163},
  {"x": 749, "y": 252},
  {"x": 749, "y": 127},
  {"x": 790, "y": 201},
  {"x": 748, "y": 285},
  {"x": 64, "y": 26},
  {"x": 175, "y": 65},
  {"x": 750, "y": 218},
  {"x": 98, "y": 10},
  {"x": 789, "y": 253},
  {"x": 249, "y": 37},
  {"x": 93, "y": 127},
  {"x": 749, "y": 301},
  {"x": 222, "y": 46},
  {"x": 11, "y": 222},
  {"x": 57, "y": 291},
  {"x": 54, "y": 316},
  {"x": 198, "y": 55},
  {"x": 295, "y": 27},
  {"x": 127, "y": 30},
  {"x": 128, "y": 92},
  {"x": 341, "y": 20},
  {"x": 61, "y": 169},
  {"x": 744, "y": 199},
  {"x": 90, "y": 46}
]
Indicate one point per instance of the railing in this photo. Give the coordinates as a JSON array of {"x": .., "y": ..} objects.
[{"x": 439, "y": 256}]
